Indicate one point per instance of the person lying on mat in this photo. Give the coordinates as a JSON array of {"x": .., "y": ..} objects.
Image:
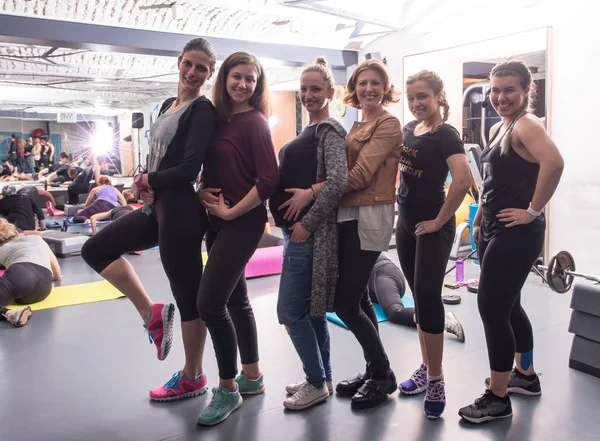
[
  {"x": 30, "y": 269},
  {"x": 387, "y": 285},
  {"x": 20, "y": 210},
  {"x": 101, "y": 199},
  {"x": 113, "y": 214}
]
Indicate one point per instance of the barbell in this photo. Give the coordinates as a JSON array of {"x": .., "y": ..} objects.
[
  {"x": 558, "y": 275},
  {"x": 560, "y": 272}
]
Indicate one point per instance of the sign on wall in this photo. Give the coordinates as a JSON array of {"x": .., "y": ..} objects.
[{"x": 66, "y": 117}]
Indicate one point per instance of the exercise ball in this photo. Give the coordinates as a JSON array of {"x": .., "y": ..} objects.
[{"x": 38, "y": 133}]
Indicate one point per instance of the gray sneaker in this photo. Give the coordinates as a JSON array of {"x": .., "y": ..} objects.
[
  {"x": 18, "y": 317},
  {"x": 295, "y": 387},
  {"x": 519, "y": 384},
  {"x": 454, "y": 327}
]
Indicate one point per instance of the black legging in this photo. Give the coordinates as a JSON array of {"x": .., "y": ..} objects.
[
  {"x": 177, "y": 225},
  {"x": 387, "y": 287},
  {"x": 355, "y": 267},
  {"x": 74, "y": 190},
  {"x": 223, "y": 297},
  {"x": 506, "y": 261},
  {"x": 423, "y": 260},
  {"x": 25, "y": 283}
]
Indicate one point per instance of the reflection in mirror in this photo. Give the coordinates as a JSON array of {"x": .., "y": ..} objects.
[
  {"x": 478, "y": 114},
  {"x": 465, "y": 72}
]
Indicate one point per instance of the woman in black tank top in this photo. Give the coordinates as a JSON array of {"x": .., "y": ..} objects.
[{"x": 521, "y": 168}]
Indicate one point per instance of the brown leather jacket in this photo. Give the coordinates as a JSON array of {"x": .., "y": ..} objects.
[{"x": 373, "y": 149}]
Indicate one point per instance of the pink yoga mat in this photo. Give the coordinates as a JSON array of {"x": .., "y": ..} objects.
[{"x": 265, "y": 262}]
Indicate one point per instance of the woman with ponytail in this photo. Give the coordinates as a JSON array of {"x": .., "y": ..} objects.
[
  {"x": 309, "y": 272},
  {"x": 521, "y": 168},
  {"x": 426, "y": 224}
]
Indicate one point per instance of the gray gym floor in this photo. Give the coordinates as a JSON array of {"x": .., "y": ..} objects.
[{"x": 83, "y": 373}]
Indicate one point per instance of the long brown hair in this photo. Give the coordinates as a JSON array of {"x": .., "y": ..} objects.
[
  {"x": 259, "y": 99},
  {"x": 517, "y": 69},
  {"x": 435, "y": 83}
]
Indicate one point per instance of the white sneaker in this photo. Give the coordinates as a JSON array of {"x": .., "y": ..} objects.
[
  {"x": 307, "y": 396},
  {"x": 295, "y": 387}
]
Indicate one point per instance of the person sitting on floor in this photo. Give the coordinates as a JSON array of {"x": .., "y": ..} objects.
[
  {"x": 57, "y": 172},
  {"x": 30, "y": 269},
  {"x": 20, "y": 210},
  {"x": 387, "y": 285},
  {"x": 101, "y": 199}
]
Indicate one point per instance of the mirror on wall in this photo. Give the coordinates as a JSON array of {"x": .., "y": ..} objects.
[{"x": 465, "y": 71}]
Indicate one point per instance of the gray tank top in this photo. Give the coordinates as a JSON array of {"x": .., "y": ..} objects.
[
  {"x": 162, "y": 133},
  {"x": 25, "y": 249}
]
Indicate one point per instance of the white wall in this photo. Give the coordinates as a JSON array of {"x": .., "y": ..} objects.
[
  {"x": 75, "y": 136},
  {"x": 22, "y": 126},
  {"x": 574, "y": 216}
]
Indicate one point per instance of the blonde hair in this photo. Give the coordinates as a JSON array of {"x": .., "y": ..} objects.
[
  {"x": 127, "y": 194},
  {"x": 7, "y": 231},
  {"x": 390, "y": 95},
  {"x": 321, "y": 67},
  {"x": 517, "y": 69},
  {"x": 435, "y": 83}
]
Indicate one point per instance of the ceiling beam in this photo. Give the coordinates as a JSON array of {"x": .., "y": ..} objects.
[
  {"x": 335, "y": 12},
  {"x": 100, "y": 38}
]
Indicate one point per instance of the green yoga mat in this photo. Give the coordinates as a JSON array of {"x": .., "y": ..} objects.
[{"x": 381, "y": 317}]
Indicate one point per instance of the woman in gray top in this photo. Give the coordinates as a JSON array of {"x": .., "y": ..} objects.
[{"x": 30, "y": 269}]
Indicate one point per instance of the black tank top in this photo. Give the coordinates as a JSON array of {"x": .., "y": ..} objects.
[{"x": 508, "y": 182}]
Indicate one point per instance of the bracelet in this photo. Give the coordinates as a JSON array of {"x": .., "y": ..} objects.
[
  {"x": 532, "y": 211},
  {"x": 313, "y": 193}
]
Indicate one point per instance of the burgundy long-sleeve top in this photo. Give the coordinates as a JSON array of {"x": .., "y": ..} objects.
[{"x": 242, "y": 156}]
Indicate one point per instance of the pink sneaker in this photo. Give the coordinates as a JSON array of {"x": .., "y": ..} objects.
[
  {"x": 159, "y": 326},
  {"x": 178, "y": 387},
  {"x": 50, "y": 208}
]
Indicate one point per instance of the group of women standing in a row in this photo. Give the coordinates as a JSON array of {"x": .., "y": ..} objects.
[{"x": 333, "y": 196}]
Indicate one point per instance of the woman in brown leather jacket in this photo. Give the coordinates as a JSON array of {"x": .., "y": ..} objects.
[{"x": 365, "y": 220}]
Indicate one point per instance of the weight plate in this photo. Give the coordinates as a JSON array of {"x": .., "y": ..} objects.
[
  {"x": 557, "y": 273},
  {"x": 451, "y": 299},
  {"x": 473, "y": 287}
]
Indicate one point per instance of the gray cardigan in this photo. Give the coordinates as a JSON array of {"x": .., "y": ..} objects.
[{"x": 321, "y": 219}]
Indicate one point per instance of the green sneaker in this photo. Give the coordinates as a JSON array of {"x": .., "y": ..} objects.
[
  {"x": 246, "y": 386},
  {"x": 223, "y": 404}
]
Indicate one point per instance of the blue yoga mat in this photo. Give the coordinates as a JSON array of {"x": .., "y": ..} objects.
[
  {"x": 54, "y": 224},
  {"x": 408, "y": 301}
]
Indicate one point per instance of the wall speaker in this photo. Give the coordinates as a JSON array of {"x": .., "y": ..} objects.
[{"x": 137, "y": 120}]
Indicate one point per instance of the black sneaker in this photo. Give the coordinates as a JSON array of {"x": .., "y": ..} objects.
[
  {"x": 347, "y": 388},
  {"x": 374, "y": 392},
  {"x": 522, "y": 384},
  {"x": 488, "y": 407}
]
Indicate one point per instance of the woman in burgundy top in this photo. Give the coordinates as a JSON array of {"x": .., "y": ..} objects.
[{"x": 240, "y": 173}]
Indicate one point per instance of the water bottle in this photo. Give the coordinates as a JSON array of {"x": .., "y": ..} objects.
[{"x": 460, "y": 270}]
